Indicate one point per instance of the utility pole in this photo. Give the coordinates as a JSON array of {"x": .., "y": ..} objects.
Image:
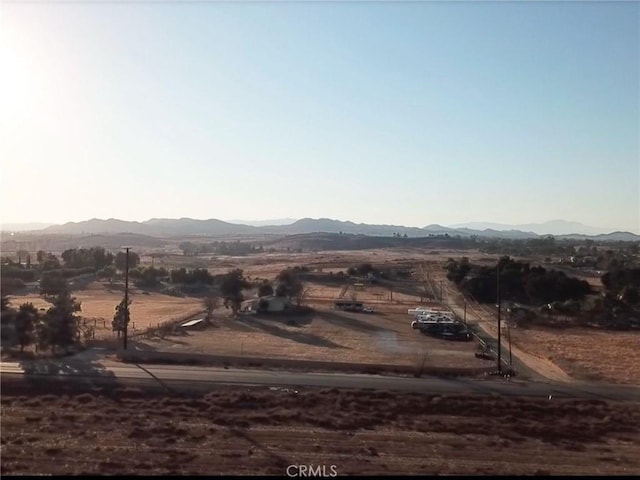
[
  {"x": 499, "y": 329},
  {"x": 465, "y": 312},
  {"x": 509, "y": 337},
  {"x": 126, "y": 298}
]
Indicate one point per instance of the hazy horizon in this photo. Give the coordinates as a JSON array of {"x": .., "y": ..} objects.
[
  {"x": 408, "y": 113},
  {"x": 552, "y": 227}
]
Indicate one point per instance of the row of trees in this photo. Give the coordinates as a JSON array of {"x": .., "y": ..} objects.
[
  {"x": 46, "y": 261},
  {"x": 58, "y": 327},
  {"x": 95, "y": 258},
  {"x": 518, "y": 282}
]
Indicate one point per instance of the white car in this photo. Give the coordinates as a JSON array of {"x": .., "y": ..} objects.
[{"x": 368, "y": 310}]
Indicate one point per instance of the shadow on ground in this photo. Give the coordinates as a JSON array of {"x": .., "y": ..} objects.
[{"x": 268, "y": 326}]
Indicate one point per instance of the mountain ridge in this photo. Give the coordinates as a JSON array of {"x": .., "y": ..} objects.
[
  {"x": 551, "y": 227},
  {"x": 188, "y": 226}
]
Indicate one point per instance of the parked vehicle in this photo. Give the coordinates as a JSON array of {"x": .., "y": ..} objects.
[
  {"x": 433, "y": 319},
  {"x": 368, "y": 310},
  {"x": 461, "y": 335},
  {"x": 485, "y": 353},
  {"x": 445, "y": 330}
]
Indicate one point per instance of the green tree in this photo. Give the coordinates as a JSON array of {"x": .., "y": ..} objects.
[
  {"x": 40, "y": 255},
  {"x": 107, "y": 272},
  {"x": 121, "y": 260},
  {"x": 178, "y": 275},
  {"x": 231, "y": 286},
  {"x": 50, "y": 262},
  {"x": 289, "y": 284},
  {"x": 25, "y": 322},
  {"x": 121, "y": 317},
  {"x": 60, "y": 326},
  {"x": 210, "y": 303},
  {"x": 265, "y": 289},
  {"x": 53, "y": 283}
]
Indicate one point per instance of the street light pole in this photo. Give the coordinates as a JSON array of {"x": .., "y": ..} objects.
[{"x": 126, "y": 298}]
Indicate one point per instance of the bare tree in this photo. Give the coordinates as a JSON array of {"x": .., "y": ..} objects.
[
  {"x": 302, "y": 296},
  {"x": 210, "y": 303}
]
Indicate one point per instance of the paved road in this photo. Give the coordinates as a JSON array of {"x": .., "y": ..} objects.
[{"x": 206, "y": 378}]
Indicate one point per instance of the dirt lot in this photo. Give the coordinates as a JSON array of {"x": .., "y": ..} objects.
[
  {"x": 325, "y": 335},
  {"x": 241, "y": 431}
]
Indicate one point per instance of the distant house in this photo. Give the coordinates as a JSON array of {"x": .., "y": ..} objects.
[{"x": 269, "y": 303}]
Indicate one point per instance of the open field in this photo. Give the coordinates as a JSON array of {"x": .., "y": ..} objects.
[
  {"x": 326, "y": 335},
  {"x": 242, "y": 431},
  {"x": 99, "y": 300},
  {"x": 586, "y": 353},
  {"x": 383, "y": 337}
]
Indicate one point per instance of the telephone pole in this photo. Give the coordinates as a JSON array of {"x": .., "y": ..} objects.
[
  {"x": 509, "y": 337},
  {"x": 126, "y": 298}
]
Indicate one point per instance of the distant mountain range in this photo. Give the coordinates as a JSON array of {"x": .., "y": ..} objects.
[
  {"x": 263, "y": 223},
  {"x": 24, "y": 227},
  {"x": 553, "y": 227},
  {"x": 213, "y": 227}
]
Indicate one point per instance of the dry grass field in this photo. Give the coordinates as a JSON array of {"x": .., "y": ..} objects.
[
  {"x": 586, "y": 353},
  {"x": 258, "y": 431},
  {"x": 99, "y": 300},
  {"x": 582, "y": 353},
  {"x": 325, "y": 335}
]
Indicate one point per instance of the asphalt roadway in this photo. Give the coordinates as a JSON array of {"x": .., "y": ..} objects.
[{"x": 190, "y": 378}]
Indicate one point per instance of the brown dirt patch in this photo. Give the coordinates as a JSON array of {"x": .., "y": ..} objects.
[{"x": 260, "y": 431}]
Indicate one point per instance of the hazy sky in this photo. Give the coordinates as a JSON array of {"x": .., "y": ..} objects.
[{"x": 380, "y": 112}]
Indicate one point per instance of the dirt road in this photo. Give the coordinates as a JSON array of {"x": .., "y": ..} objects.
[{"x": 485, "y": 320}]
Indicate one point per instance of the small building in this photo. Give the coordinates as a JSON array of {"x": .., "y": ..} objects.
[{"x": 268, "y": 303}]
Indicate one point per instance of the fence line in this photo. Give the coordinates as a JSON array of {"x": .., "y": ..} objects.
[{"x": 168, "y": 326}]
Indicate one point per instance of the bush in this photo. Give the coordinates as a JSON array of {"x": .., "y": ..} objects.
[
  {"x": 19, "y": 273},
  {"x": 9, "y": 285},
  {"x": 71, "y": 272}
]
